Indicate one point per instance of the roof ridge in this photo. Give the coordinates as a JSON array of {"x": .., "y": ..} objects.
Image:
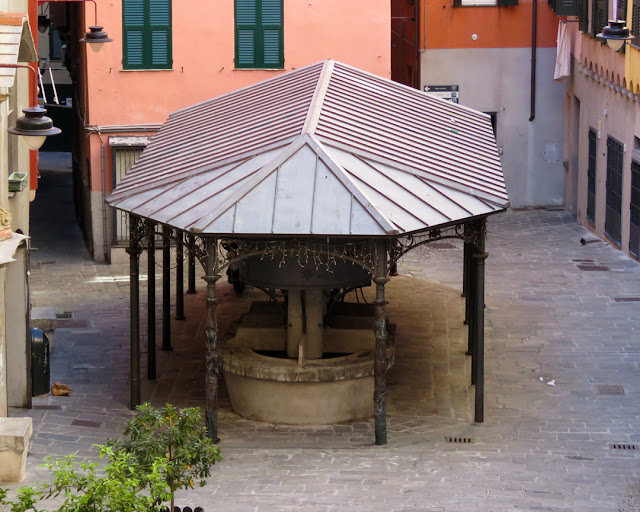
[{"x": 315, "y": 107}]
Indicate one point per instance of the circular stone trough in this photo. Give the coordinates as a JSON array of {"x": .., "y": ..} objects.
[{"x": 320, "y": 391}]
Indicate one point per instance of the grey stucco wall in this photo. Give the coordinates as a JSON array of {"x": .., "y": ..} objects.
[{"x": 498, "y": 80}]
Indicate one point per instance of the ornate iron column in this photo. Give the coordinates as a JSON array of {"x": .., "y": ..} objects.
[
  {"x": 136, "y": 232},
  {"x": 380, "y": 370},
  {"x": 166, "y": 287},
  {"x": 179, "y": 276},
  {"x": 191, "y": 269},
  {"x": 211, "y": 384},
  {"x": 151, "y": 300},
  {"x": 479, "y": 257}
]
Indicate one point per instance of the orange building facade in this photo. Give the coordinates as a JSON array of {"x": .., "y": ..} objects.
[{"x": 167, "y": 55}]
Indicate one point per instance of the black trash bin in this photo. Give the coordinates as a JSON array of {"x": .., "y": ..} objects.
[{"x": 40, "y": 367}]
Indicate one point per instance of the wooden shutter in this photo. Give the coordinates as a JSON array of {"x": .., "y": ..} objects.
[
  {"x": 600, "y": 15},
  {"x": 622, "y": 9},
  {"x": 147, "y": 34},
  {"x": 583, "y": 15},
  {"x": 160, "y": 34},
  {"x": 507, "y": 3},
  {"x": 133, "y": 19},
  {"x": 246, "y": 31},
  {"x": 567, "y": 7},
  {"x": 635, "y": 19},
  {"x": 271, "y": 18}
]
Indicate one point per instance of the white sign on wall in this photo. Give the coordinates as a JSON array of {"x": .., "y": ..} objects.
[{"x": 445, "y": 92}]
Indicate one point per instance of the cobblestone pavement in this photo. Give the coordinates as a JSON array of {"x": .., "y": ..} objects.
[{"x": 554, "y": 312}]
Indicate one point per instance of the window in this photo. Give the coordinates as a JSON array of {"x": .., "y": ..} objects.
[
  {"x": 484, "y": 3},
  {"x": 613, "y": 217},
  {"x": 259, "y": 34},
  {"x": 634, "y": 232},
  {"x": 55, "y": 44},
  {"x": 566, "y": 7},
  {"x": 591, "y": 177},
  {"x": 147, "y": 34}
]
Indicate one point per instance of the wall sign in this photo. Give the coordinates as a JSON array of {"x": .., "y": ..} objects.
[{"x": 445, "y": 92}]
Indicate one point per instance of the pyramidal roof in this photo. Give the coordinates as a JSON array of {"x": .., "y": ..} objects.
[{"x": 323, "y": 150}]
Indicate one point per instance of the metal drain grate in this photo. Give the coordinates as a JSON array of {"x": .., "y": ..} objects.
[
  {"x": 623, "y": 446},
  {"x": 610, "y": 389},
  {"x": 66, "y": 314},
  {"x": 594, "y": 268},
  {"x": 460, "y": 440},
  {"x": 626, "y": 299}
]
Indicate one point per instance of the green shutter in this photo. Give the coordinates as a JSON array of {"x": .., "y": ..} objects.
[
  {"x": 258, "y": 33},
  {"x": 271, "y": 16},
  {"x": 160, "y": 34},
  {"x": 147, "y": 34},
  {"x": 583, "y": 15},
  {"x": 600, "y": 15},
  {"x": 635, "y": 20},
  {"x": 567, "y": 7}
]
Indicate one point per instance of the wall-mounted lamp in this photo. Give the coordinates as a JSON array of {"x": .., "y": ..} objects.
[
  {"x": 96, "y": 37},
  {"x": 615, "y": 34},
  {"x": 34, "y": 126}
]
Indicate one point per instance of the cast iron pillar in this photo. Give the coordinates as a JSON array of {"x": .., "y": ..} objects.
[
  {"x": 151, "y": 300},
  {"x": 211, "y": 383},
  {"x": 191, "y": 267},
  {"x": 134, "y": 307},
  {"x": 166, "y": 288},
  {"x": 380, "y": 368},
  {"x": 479, "y": 257},
  {"x": 468, "y": 279},
  {"x": 179, "y": 276}
]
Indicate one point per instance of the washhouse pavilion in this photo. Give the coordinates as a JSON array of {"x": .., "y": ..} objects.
[{"x": 308, "y": 185}]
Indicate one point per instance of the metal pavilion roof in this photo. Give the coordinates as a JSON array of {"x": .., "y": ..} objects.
[{"x": 323, "y": 150}]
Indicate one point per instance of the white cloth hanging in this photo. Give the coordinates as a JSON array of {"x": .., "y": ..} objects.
[{"x": 563, "y": 56}]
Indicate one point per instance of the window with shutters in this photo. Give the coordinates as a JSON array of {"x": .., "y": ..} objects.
[
  {"x": 565, "y": 7},
  {"x": 146, "y": 34},
  {"x": 259, "y": 34}
]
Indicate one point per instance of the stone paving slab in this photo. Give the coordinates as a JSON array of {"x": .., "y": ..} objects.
[{"x": 540, "y": 448}]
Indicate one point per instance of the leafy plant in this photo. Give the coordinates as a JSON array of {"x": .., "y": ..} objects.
[
  {"x": 175, "y": 435},
  {"x": 164, "y": 450}
]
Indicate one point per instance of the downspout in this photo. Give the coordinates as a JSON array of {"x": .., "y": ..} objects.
[
  {"x": 416, "y": 40},
  {"x": 534, "y": 37}
]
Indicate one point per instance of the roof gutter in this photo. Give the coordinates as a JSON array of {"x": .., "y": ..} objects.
[{"x": 119, "y": 128}]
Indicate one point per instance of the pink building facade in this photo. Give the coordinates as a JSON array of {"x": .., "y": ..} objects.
[{"x": 167, "y": 55}]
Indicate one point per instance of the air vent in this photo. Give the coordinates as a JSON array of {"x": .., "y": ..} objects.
[
  {"x": 623, "y": 446},
  {"x": 459, "y": 440}
]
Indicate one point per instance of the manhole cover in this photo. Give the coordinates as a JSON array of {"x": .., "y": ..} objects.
[{"x": 610, "y": 389}]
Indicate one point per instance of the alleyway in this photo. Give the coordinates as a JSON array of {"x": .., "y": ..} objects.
[{"x": 556, "y": 310}]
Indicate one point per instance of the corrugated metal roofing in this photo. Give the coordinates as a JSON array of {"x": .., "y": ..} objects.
[
  {"x": 323, "y": 150},
  {"x": 16, "y": 45}
]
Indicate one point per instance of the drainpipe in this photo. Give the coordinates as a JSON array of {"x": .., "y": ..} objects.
[
  {"x": 534, "y": 36},
  {"x": 96, "y": 129}
]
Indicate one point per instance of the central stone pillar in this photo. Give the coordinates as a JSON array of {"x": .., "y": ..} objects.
[
  {"x": 294, "y": 326},
  {"x": 314, "y": 309}
]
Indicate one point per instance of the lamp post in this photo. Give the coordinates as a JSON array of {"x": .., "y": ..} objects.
[
  {"x": 96, "y": 37},
  {"x": 616, "y": 32},
  {"x": 34, "y": 126}
]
